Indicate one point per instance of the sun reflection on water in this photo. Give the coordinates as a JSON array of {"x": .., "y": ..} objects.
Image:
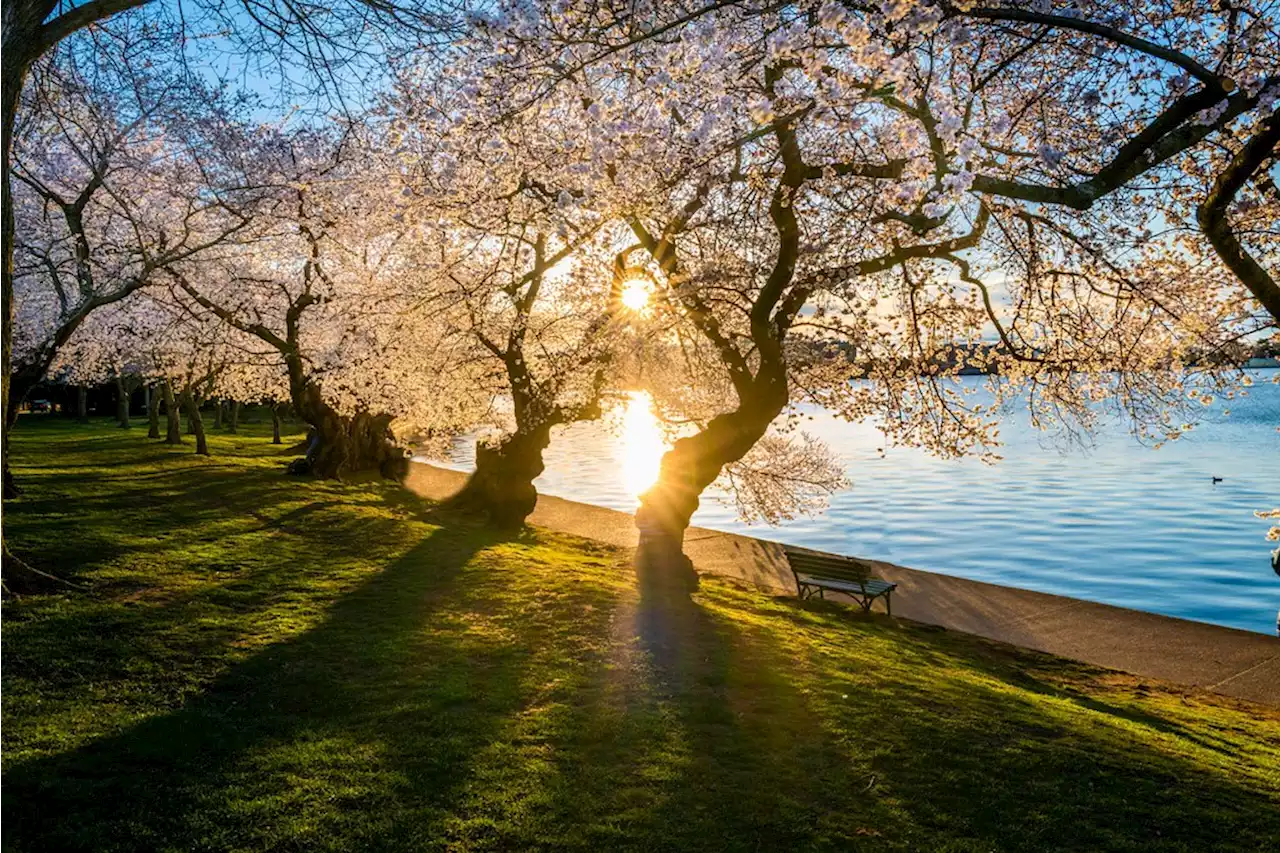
[{"x": 642, "y": 443}]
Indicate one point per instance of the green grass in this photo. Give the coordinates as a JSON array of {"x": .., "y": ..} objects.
[{"x": 258, "y": 662}]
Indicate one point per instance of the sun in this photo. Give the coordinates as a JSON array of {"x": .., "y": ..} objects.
[{"x": 635, "y": 293}]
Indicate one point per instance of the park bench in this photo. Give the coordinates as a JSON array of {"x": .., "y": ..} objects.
[{"x": 816, "y": 573}]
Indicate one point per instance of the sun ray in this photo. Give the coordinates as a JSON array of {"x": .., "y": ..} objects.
[{"x": 636, "y": 293}]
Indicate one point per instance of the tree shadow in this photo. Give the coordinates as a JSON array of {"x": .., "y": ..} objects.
[
  {"x": 697, "y": 738},
  {"x": 478, "y": 691},
  {"x": 996, "y": 747},
  {"x": 357, "y": 685},
  {"x": 459, "y": 699}
]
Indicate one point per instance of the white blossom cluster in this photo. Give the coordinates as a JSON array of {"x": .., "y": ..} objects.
[{"x": 832, "y": 202}]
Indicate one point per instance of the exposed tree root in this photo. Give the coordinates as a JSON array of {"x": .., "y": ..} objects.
[{"x": 18, "y": 577}]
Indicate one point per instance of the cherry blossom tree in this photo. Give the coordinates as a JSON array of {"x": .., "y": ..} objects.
[
  {"x": 1190, "y": 74},
  {"x": 910, "y": 181},
  {"x": 326, "y": 285},
  {"x": 115, "y": 182},
  {"x": 331, "y": 44},
  {"x": 547, "y": 331},
  {"x": 528, "y": 268}
]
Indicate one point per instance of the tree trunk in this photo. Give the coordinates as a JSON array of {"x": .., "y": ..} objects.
[
  {"x": 694, "y": 462},
  {"x": 341, "y": 444},
  {"x": 19, "y": 384},
  {"x": 123, "y": 397},
  {"x": 217, "y": 414},
  {"x": 153, "y": 413},
  {"x": 233, "y": 422},
  {"x": 363, "y": 442},
  {"x": 21, "y": 35},
  {"x": 24, "y": 39},
  {"x": 196, "y": 421},
  {"x": 501, "y": 488},
  {"x": 82, "y": 404},
  {"x": 173, "y": 420},
  {"x": 275, "y": 423},
  {"x": 12, "y": 491}
]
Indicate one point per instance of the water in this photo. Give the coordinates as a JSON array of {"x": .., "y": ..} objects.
[{"x": 1120, "y": 522}]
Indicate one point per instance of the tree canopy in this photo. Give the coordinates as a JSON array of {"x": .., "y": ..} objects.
[{"x": 837, "y": 203}]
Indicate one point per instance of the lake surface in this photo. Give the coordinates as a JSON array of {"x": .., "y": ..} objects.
[{"x": 1119, "y": 522}]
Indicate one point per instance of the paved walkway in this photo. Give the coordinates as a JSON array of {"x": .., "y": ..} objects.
[{"x": 1236, "y": 663}]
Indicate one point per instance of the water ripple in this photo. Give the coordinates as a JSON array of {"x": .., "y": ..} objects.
[{"x": 1121, "y": 523}]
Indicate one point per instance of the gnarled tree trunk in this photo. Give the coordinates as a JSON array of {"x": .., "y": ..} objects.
[
  {"x": 217, "y": 414},
  {"x": 501, "y": 488},
  {"x": 82, "y": 404},
  {"x": 233, "y": 421},
  {"x": 195, "y": 421},
  {"x": 343, "y": 444},
  {"x": 275, "y": 423},
  {"x": 694, "y": 462}
]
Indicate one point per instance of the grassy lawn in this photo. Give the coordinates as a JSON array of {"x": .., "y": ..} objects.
[{"x": 258, "y": 662}]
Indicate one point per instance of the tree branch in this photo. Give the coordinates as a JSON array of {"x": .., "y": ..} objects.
[{"x": 1212, "y": 214}]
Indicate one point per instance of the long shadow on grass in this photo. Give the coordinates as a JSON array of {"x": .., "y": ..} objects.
[
  {"x": 182, "y": 556},
  {"x": 730, "y": 728},
  {"x": 74, "y": 520},
  {"x": 691, "y": 737},
  {"x": 458, "y": 699},
  {"x": 391, "y": 694},
  {"x": 975, "y": 743}
]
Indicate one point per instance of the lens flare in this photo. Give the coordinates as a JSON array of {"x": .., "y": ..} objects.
[
  {"x": 636, "y": 293},
  {"x": 642, "y": 443}
]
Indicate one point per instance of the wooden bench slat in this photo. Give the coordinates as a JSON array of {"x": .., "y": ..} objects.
[
  {"x": 835, "y": 565},
  {"x": 872, "y": 587},
  {"x": 817, "y": 571}
]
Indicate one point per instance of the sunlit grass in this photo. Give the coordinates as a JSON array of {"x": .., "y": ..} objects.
[{"x": 260, "y": 662}]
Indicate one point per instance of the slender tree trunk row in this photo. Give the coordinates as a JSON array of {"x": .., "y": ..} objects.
[
  {"x": 195, "y": 422},
  {"x": 153, "y": 413},
  {"x": 123, "y": 398},
  {"x": 173, "y": 420}
]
